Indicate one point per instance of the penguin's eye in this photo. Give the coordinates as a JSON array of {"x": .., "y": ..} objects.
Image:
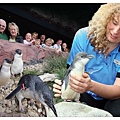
[{"x": 82, "y": 56}]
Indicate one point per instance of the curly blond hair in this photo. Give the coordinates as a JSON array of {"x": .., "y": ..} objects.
[{"x": 98, "y": 26}]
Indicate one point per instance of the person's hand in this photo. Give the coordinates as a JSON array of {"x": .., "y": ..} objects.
[
  {"x": 38, "y": 46},
  {"x": 33, "y": 41},
  {"x": 57, "y": 88},
  {"x": 80, "y": 84}
]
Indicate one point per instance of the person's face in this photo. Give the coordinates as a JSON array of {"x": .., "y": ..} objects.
[
  {"x": 64, "y": 45},
  {"x": 59, "y": 42},
  {"x": 42, "y": 38},
  {"x": 28, "y": 37},
  {"x": 37, "y": 42},
  {"x": 49, "y": 43},
  {"x": 13, "y": 31},
  {"x": 113, "y": 30},
  {"x": 2, "y": 26},
  {"x": 34, "y": 36}
]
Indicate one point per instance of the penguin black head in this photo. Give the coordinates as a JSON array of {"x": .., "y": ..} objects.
[
  {"x": 25, "y": 80},
  {"x": 8, "y": 61},
  {"x": 18, "y": 51}
]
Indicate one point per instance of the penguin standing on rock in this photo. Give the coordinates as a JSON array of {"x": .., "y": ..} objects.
[
  {"x": 32, "y": 87},
  {"x": 77, "y": 68},
  {"x": 17, "y": 66},
  {"x": 5, "y": 73}
]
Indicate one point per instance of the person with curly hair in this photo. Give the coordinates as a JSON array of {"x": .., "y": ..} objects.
[{"x": 99, "y": 88}]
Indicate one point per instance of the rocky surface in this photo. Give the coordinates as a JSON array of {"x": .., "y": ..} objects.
[
  {"x": 74, "y": 109},
  {"x": 9, "y": 108},
  {"x": 7, "y": 50}
]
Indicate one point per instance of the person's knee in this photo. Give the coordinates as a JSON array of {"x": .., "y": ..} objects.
[{"x": 113, "y": 107}]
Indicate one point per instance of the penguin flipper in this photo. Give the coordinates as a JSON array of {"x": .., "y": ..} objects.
[
  {"x": 66, "y": 77},
  {"x": 14, "y": 92}
]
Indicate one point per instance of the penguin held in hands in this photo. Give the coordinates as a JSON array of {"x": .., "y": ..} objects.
[
  {"x": 77, "y": 68},
  {"x": 17, "y": 66},
  {"x": 32, "y": 87},
  {"x": 5, "y": 73}
]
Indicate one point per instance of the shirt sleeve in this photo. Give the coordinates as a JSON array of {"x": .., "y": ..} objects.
[
  {"x": 118, "y": 71},
  {"x": 26, "y": 43},
  {"x": 78, "y": 45},
  {"x": 117, "y": 66},
  {"x": 118, "y": 74}
]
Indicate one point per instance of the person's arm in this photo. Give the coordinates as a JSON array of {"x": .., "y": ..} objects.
[
  {"x": 107, "y": 91},
  {"x": 84, "y": 84},
  {"x": 79, "y": 44}
]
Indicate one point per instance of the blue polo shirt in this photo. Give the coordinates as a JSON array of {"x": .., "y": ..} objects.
[{"x": 100, "y": 68}]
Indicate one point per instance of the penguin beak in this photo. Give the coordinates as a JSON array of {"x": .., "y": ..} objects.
[{"x": 90, "y": 56}]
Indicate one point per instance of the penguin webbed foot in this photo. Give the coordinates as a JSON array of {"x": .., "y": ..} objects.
[{"x": 22, "y": 109}]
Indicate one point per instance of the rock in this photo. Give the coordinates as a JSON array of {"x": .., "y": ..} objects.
[
  {"x": 40, "y": 110},
  {"x": 1, "y": 97},
  {"x": 48, "y": 77},
  {"x": 8, "y": 110},
  {"x": 74, "y": 109},
  {"x": 7, "y": 50},
  {"x": 2, "y": 109},
  {"x": 33, "y": 113},
  {"x": 12, "y": 115}
]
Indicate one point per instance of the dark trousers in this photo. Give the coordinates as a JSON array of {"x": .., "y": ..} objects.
[{"x": 112, "y": 106}]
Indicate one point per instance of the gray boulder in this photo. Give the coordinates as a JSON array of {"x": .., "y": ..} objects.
[{"x": 74, "y": 109}]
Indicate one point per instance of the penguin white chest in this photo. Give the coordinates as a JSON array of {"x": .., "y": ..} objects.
[
  {"x": 5, "y": 75},
  {"x": 17, "y": 66}
]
